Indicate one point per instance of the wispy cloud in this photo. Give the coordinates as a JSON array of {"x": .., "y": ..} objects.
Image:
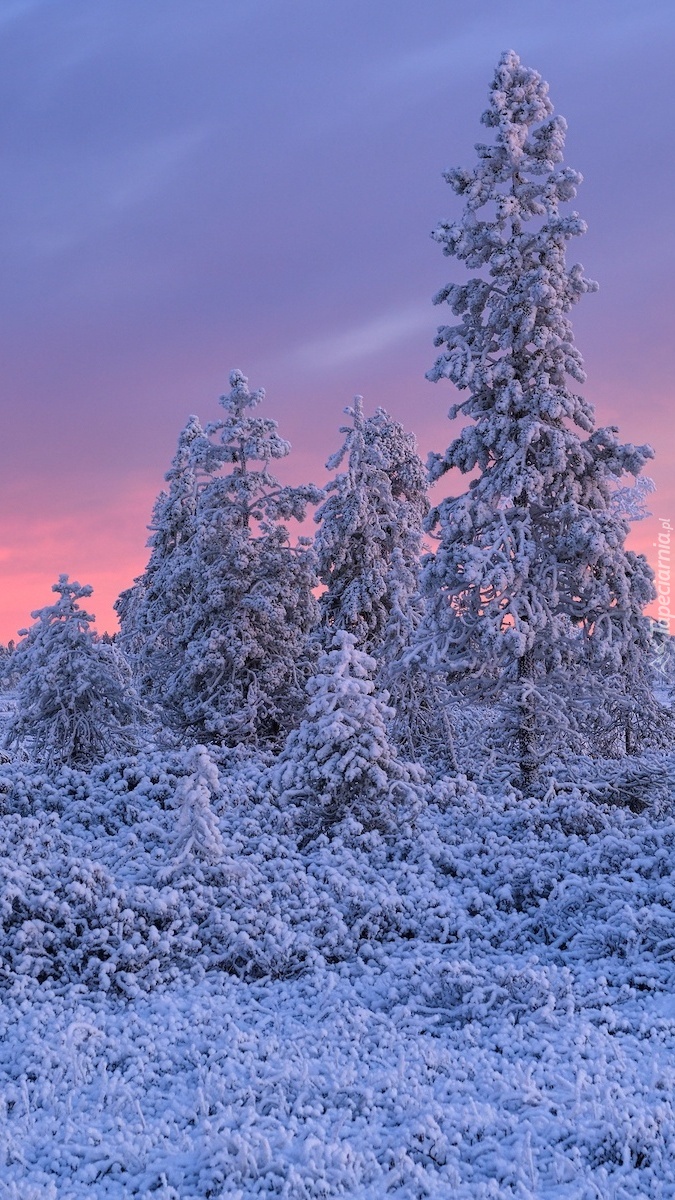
[
  {"x": 363, "y": 341},
  {"x": 423, "y": 68},
  {"x": 149, "y": 167},
  {"x": 89, "y": 196},
  {"x": 14, "y": 10}
]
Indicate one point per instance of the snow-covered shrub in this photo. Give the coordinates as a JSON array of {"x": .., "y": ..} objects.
[
  {"x": 340, "y": 762},
  {"x": 460, "y": 991},
  {"x": 63, "y": 916},
  {"x": 74, "y": 701}
]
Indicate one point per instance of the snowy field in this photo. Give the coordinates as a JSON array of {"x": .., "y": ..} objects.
[{"x": 480, "y": 1006}]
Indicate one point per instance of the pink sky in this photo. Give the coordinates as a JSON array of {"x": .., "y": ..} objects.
[{"x": 187, "y": 189}]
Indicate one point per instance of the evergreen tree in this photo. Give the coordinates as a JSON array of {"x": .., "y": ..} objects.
[
  {"x": 197, "y": 833},
  {"x": 152, "y": 613},
  {"x": 6, "y": 663},
  {"x": 368, "y": 547},
  {"x": 240, "y": 641},
  {"x": 340, "y": 762},
  {"x": 531, "y": 594},
  {"x": 633, "y": 717},
  {"x": 370, "y": 533},
  {"x": 74, "y": 702}
]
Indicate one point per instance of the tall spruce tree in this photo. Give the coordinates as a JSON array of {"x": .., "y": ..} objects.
[
  {"x": 240, "y": 640},
  {"x": 532, "y": 596}
]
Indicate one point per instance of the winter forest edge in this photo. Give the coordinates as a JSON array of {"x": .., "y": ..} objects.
[{"x": 346, "y": 866}]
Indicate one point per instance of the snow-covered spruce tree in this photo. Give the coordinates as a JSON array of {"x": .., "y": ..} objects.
[
  {"x": 632, "y": 718},
  {"x": 368, "y": 548},
  {"x": 7, "y": 675},
  {"x": 340, "y": 762},
  {"x": 531, "y": 594},
  {"x": 197, "y": 833},
  {"x": 241, "y": 651},
  {"x": 74, "y": 701},
  {"x": 153, "y": 612},
  {"x": 370, "y": 533}
]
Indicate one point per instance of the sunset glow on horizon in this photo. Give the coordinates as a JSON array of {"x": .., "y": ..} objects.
[{"x": 253, "y": 186}]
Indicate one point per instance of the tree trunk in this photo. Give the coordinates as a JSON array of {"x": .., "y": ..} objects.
[
  {"x": 526, "y": 721},
  {"x": 447, "y": 727}
]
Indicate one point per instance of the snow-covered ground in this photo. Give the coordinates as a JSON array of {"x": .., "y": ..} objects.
[{"x": 481, "y": 1006}]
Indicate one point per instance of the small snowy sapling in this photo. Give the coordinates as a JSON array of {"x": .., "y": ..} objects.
[
  {"x": 74, "y": 702},
  {"x": 340, "y": 762},
  {"x": 197, "y": 832}
]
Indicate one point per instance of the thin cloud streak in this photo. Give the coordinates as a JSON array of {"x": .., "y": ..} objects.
[
  {"x": 426, "y": 67},
  {"x": 15, "y": 10},
  {"x": 363, "y": 341}
]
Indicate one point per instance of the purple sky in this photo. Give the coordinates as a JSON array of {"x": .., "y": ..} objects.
[{"x": 191, "y": 187}]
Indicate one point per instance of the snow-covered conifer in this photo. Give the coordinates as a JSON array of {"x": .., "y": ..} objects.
[
  {"x": 7, "y": 654},
  {"x": 241, "y": 650},
  {"x": 74, "y": 702},
  {"x": 340, "y": 762},
  {"x": 531, "y": 594},
  {"x": 368, "y": 546},
  {"x": 631, "y": 716},
  {"x": 197, "y": 831},
  {"x": 662, "y": 658},
  {"x": 154, "y": 610},
  {"x": 370, "y": 532}
]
